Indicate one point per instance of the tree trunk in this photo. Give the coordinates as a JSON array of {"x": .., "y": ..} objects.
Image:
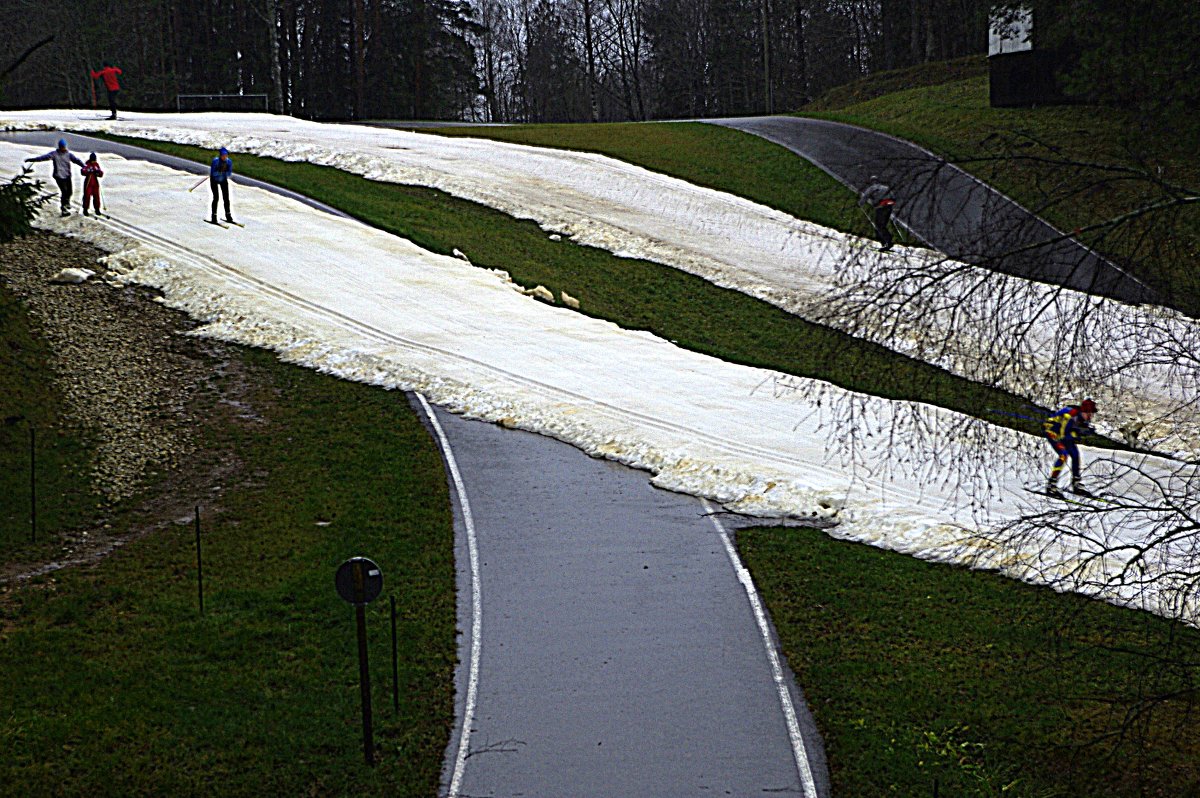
[
  {"x": 358, "y": 45},
  {"x": 768, "y": 99},
  {"x": 590, "y": 54},
  {"x": 276, "y": 69}
]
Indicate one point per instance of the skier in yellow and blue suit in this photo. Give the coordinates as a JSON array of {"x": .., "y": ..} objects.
[{"x": 1063, "y": 429}]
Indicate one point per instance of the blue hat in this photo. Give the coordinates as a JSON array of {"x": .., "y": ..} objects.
[
  {"x": 62, "y": 142},
  {"x": 223, "y": 151}
]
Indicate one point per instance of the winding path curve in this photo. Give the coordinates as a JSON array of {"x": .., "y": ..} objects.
[{"x": 947, "y": 208}]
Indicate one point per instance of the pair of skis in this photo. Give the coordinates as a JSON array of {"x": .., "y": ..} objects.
[
  {"x": 1090, "y": 500},
  {"x": 225, "y": 223}
]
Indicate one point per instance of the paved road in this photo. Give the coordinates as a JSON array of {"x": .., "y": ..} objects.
[
  {"x": 612, "y": 643},
  {"x": 82, "y": 145},
  {"x": 947, "y": 208},
  {"x": 619, "y": 653}
]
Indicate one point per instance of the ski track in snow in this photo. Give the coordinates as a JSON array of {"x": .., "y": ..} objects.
[
  {"x": 349, "y": 300},
  {"x": 736, "y": 243}
]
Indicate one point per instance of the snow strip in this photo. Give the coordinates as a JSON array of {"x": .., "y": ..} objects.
[
  {"x": 349, "y": 300},
  {"x": 1139, "y": 363}
]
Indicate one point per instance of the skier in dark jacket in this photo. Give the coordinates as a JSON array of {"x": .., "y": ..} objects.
[
  {"x": 91, "y": 183},
  {"x": 879, "y": 196},
  {"x": 62, "y": 159},
  {"x": 219, "y": 173},
  {"x": 1063, "y": 429},
  {"x": 109, "y": 74}
]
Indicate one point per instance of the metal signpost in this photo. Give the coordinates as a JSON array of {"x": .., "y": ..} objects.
[
  {"x": 199, "y": 563},
  {"x": 359, "y": 581}
]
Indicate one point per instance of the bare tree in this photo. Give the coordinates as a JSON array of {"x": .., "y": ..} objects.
[
  {"x": 589, "y": 50},
  {"x": 627, "y": 33},
  {"x": 999, "y": 315},
  {"x": 268, "y": 12}
]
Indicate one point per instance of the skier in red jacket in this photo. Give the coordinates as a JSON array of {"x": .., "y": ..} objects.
[
  {"x": 91, "y": 183},
  {"x": 109, "y": 74}
]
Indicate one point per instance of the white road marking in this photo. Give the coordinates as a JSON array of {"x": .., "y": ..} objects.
[
  {"x": 785, "y": 697},
  {"x": 464, "y": 739}
]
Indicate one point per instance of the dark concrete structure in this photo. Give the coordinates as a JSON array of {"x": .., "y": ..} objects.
[{"x": 1021, "y": 72}]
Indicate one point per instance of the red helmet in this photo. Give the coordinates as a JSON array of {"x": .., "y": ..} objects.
[{"x": 1087, "y": 406}]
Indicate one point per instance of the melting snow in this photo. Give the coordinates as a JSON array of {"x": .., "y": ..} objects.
[{"x": 346, "y": 299}]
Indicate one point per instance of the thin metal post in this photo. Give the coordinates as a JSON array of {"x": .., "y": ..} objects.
[
  {"x": 199, "y": 564},
  {"x": 395, "y": 663},
  {"x": 364, "y": 681},
  {"x": 32, "y": 484},
  {"x": 364, "y": 673}
]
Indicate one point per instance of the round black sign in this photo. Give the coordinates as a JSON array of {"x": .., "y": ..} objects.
[{"x": 358, "y": 580}]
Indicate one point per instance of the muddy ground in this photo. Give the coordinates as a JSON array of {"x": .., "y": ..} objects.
[{"x": 148, "y": 395}]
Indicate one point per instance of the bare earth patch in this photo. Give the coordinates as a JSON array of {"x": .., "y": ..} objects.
[{"x": 147, "y": 394}]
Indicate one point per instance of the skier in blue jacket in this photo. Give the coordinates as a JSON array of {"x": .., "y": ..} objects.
[
  {"x": 62, "y": 159},
  {"x": 1063, "y": 429},
  {"x": 219, "y": 173}
]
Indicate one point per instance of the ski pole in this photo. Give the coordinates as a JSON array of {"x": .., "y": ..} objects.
[
  {"x": 995, "y": 412},
  {"x": 201, "y": 180},
  {"x": 870, "y": 222},
  {"x": 93, "y": 93}
]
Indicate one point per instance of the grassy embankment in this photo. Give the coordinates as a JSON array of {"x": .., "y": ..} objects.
[
  {"x": 918, "y": 672},
  {"x": 1075, "y": 165},
  {"x": 59, "y": 455},
  {"x": 114, "y": 685}
]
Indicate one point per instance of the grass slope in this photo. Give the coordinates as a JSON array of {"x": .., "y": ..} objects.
[
  {"x": 919, "y": 672},
  {"x": 1075, "y": 165},
  {"x": 60, "y": 482},
  {"x": 115, "y": 685},
  {"x": 934, "y": 73}
]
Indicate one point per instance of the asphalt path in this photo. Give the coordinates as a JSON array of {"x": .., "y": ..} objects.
[
  {"x": 82, "y": 145},
  {"x": 612, "y": 643},
  {"x": 947, "y": 208},
  {"x": 620, "y": 650}
]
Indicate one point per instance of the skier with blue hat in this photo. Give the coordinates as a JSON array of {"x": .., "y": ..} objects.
[
  {"x": 219, "y": 173},
  {"x": 62, "y": 159}
]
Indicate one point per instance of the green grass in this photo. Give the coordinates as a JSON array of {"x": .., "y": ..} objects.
[
  {"x": 918, "y": 672},
  {"x": 114, "y": 685},
  {"x": 934, "y": 73},
  {"x": 60, "y": 455},
  {"x": 1054, "y": 160}
]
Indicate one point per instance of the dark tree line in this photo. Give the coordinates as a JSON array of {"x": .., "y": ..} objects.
[
  {"x": 564, "y": 60},
  {"x": 555, "y": 60},
  {"x": 312, "y": 58},
  {"x": 1141, "y": 54}
]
